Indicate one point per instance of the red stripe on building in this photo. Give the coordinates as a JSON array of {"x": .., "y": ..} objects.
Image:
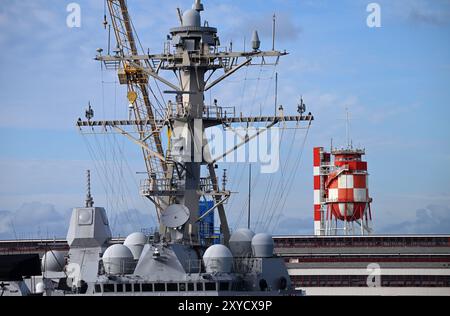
[
  {"x": 316, "y": 154},
  {"x": 316, "y": 182}
]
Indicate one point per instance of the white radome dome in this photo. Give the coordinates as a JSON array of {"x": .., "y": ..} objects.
[
  {"x": 135, "y": 242},
  {"x": 136, "y": 238},
  {"x": 39, "y": 288},
  {"x": 241, "y": 242},
  {"x": 217, "y": 259},
  {"x": 262, "y": 245},
  {"x": 118, "y": 259},
  {"x": 53, "y": 261}
]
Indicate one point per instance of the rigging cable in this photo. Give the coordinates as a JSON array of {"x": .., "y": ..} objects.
[
  {"x": 270, "y": 208},
  {"x": 161, "y": 112},
  {"x": 279, "y": 187},
  {"x": 292, "y": 177},
  {"x": 255, "y": 181},
  {"x": 241, "y": 167},
  {"x": 135, "y": 181},
  {"x": 268, "y": 193},
  {"x": 232, "y": 175}
]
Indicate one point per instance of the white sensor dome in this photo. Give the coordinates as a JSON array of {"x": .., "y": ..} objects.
[
  {"x": 218, "y": 258},
  {"x": 262, "y": 245},
  {"x": 53, "y": 261},
  {"x": 135, "y": 242},
  {"x": 241, "y": 242},
  {"x": 39, "y": 288},
  {"x": 118, "y": 259}
]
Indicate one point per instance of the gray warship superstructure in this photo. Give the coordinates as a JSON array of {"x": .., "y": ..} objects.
[{"x": 174, "y": 261}]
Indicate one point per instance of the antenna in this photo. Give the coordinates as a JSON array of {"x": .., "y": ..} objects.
[
  {"x": 256, "y": 43},
  {"x": 273, "y": 31},
  {"x": 198, "y": 6},
  {"x": 276, "y": 93},
  {"x": 249, "y": 193},
  {"x": 89, "y": 112},
  {"x": 224, "y": 179},
  {"x": 109, "y": 39},
  {"x": 180, "y": 17},
  {"x": 347, "y": 128},
  {"x": 89, "y": 199},
  {"x": 105, "y": 21}
]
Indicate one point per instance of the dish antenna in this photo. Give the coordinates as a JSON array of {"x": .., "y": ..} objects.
[{"x": 175, "y": 216}]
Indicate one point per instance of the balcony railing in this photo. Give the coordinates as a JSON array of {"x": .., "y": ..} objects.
[
  {"x": 180, "y": 110},
  {"x": 172, "y": 186}
]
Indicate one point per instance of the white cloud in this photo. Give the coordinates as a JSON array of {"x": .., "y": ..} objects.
[
  {"x": 6, "y": 223},
  {"x": 433, "y": 219},
  {"x": 42, "y": 220},
  {"x": 33, "y": 220}
]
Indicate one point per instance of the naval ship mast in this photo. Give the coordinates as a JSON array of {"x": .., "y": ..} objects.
[{"x": 193, "y": 54}]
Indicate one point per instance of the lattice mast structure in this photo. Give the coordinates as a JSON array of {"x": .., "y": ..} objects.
[{"x": 193, "y": 54}]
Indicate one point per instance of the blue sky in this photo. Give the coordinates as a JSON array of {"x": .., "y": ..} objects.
[{"x": 394, "y": 81}]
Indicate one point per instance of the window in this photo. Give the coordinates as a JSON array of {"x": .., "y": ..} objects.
[
  {"x": 223, "y": 286},
  {"x": 98, "y": 288},
  {"x": 182, "y": 287},
  {"x": 119, "y": 287},
  {"x": 128, "y": 287},
  {"x": 137, "y": 287},
  {"x": 147, "y": 287},
  {"x": 172, "y": 287},
  {"x": 160, "y": 287},
  {"x": 199, "y": 286},
  {"x": 108, "y": 287},
  {"x": 190, "y": 286},
  {"x": 210, "y": 286},
  {"x": 85, "y": 217}
]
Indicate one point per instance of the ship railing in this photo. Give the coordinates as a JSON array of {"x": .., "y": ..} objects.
[
  {"x": 182, "y": 109},
  {"x": 340, "y": 200},
  {"x": 206, "y": 184},
  {"x": 153, "y": 186},
  {"x": 239, "y": 265},
  {"x": 218, "y": 112},
  {"x": 178, "y": 109}
]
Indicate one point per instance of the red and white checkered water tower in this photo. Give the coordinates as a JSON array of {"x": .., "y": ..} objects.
[{"x": 341, "y": 194}]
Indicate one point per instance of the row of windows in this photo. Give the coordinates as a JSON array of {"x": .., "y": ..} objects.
[
  {"x": 361, "y": 280},
  {"x": 362, "y": 242},
  {"x": 161, "y": 287},
  {"x": 368, "y": 258}
]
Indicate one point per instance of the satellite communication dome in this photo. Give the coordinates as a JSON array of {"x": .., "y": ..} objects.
[
  {"x": 135, "y": 242},
  {"x": 262, "y": 245},
  {"x": 191, "y": 18},
  {"x": 241, "y": 242},
  {"x": 53, "y": 261},
  {"x": 175, "y": 215},
  {"x": 218, "y": 258},
  {"x": 118, "y": 259},
  {"x": 39, "y": 288}
]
